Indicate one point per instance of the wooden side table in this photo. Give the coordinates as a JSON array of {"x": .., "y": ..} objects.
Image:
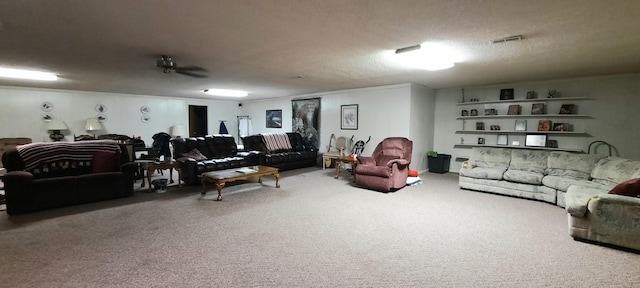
[
  {"x": 150, "y": 167},
  {"x": 346, "y": 159}
]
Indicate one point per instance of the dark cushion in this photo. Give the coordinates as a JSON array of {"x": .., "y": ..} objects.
[
  {"x": 195, "y": 154},
  {"x": 104, "y": 161},
  {"x": 627, "y": 188}
]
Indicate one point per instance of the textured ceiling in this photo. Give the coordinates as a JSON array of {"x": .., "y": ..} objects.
[{"x": 262, "y": 46}]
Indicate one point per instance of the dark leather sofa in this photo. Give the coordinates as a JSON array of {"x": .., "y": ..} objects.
[
  {"x": 217, "y": 152},
  {"x": 299, "y": 156},
  {"x": 66, "y": 182}
]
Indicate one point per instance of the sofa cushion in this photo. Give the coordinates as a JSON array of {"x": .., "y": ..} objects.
[
  {"x": 528, "y": 177},
  {"x": 571, "y": 165},
  {"x": 483, "y": 173},
  {"x": 529, "y": 160},
  {"x": 195, "y": 154},
  {"x": 104, "y": 161},
  {"x": 562, "y": 183},
  {"x": 612, "y": 171},
  {"x": 486, "y": 157},
  {"x": 628, "y": 188}
]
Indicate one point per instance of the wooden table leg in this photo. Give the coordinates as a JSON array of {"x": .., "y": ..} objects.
[
  {"x": 277, "y": 179},
  {"x": 204, "y": 187},
  {"x": 337, "y": 169},
  {"x": 219, "y": 186},
  {"x": 149, "y": 172}
]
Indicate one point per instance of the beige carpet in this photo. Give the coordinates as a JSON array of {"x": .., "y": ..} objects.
[{"x": 315, "y": 231}]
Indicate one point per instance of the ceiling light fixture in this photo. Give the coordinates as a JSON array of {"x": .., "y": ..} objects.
[
  {"x": 507, "y": 39},
  {"x": 27, "y": 74},
  {"x": 226, "y": 92},
  {"x": 408, "y": 49},
  {"x": 428, "y": 56}
]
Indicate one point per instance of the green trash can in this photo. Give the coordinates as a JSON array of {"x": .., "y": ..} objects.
[{"x": 439, "y": 163}]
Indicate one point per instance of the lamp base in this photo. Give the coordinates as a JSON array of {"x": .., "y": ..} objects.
[{"x": 56, "y": 136}]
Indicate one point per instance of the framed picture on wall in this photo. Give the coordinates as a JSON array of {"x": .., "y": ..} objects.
[
  {"x": 349, "y": 117},
  {"x": 274, "y": 119}
]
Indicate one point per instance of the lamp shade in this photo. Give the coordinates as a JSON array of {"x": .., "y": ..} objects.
[
  {"x": 56, "y": 124},
  {"x": 178, "y": 130},
  {"x": 92, "y": 124}
]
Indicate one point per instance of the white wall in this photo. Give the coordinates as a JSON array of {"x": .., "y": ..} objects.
[
  {"x": 612, "y": 113},
  {"x": 382, "y": 112},
  {"x": 20, "y": 113},
  {"x": 422, "y": 124}
]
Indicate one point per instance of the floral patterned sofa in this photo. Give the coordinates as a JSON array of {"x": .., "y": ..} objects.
[{"x": 587, "y": 185}]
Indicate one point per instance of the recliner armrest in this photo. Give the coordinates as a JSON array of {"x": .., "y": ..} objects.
[{"x": 366, "y": 160}]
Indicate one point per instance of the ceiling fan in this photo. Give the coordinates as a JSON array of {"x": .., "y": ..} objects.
[{"x": 168, "y": 66}]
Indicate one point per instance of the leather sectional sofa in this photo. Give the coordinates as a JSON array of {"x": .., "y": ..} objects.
[
  {"x": 588, "y": 186},
  {"x": 57, "y": 174},
  {"x": 292, "y": 155}
]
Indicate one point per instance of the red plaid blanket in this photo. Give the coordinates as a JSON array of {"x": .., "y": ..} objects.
[
  {"x": 275, "y": 142},
  {"x": 35, "y": 154}
]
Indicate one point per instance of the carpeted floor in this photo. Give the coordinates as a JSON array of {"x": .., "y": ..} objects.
[{"x": 315, "y": 231}]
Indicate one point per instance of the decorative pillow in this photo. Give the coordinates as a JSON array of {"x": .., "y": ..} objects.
[
  {"x": 195, "y": 154},
  {"x": 413, "y": 173},
  {"x": 627, "y": 188},
  {"x": 104, "y": 161}
]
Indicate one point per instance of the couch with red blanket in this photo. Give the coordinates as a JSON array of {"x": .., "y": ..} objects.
[
  {"x": 57, "y": 174},
  {"x": 285, "y": 151}
]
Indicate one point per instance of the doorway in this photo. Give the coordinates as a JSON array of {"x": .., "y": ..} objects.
[{"x": 198, "y": 121}]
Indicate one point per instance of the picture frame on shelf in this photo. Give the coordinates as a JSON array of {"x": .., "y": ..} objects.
[
  {"x": 480, "y": 140},
  {"x": 479, "y": 125},
  {"x": 537, "y": 109},
  {"x": 503, "y": 139},
  {"x": 490, "y": 111},
  {"x": 560, "y": 127},
  {"x": 473, "y": 112},
  {"x": 515, "y": 143},
  {"x": 531, "y": 95},
  {"x": 544, "y": 125},
  {"x": 514, "y": 110},
  {"x": 521, "y": 125},
  {"x": 349, "y": 117},
  {"x": 552, "y": 143},
  {"x": 553, "y": 94},
  {"x": 506, "y": 94},
  {"x": 567, "y": 109},
  {"x": 465, "y": 113},
  {"x": 535, "y": 140}
]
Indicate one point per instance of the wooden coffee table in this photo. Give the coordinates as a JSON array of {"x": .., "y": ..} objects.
[
  {"x": 221, "y": 177},
  {"x": 346, "y": 159}
]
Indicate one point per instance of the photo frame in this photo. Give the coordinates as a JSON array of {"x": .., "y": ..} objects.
[
  {"x": 535, "y": 140},
  {"x": 274, "y": 118},
  {"x": 481, "y": 141},
  {"x": 513, "y": 110},
  {"x": 349, "y": 117},
  {"x": 567, "y": 109},
  {"x": 473, "y": 112},
  {"x": 521, "y": 125},
  {"x": 479, "y": 125},
  {"x": 552, "y": 143},
  {"x": 531, "y": 95},
  {"x": 506, "y": 94},
  {"x": 537, "y": 108},
  {"x": 503, "y": 139},
  {"x": 544, "y": 125}
]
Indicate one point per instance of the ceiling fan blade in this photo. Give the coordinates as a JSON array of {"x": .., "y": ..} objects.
[{"x": 192, "y": 71}]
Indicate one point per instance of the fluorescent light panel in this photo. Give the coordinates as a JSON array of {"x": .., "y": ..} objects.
[
  {"x": 27, "y": 74},
  {"x": 226, "y": 92},
  {"x": 428, "y": 56}
]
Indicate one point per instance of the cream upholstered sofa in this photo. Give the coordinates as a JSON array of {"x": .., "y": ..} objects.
[{"x": 579, "y": 182}]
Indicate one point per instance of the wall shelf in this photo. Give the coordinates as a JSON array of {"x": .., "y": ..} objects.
[
  {"x": 517, "y": 147},
  {"x": 541, "y": 116},
  {"x": 523, "y": 100},
  {"x": 511, "y": 132}
]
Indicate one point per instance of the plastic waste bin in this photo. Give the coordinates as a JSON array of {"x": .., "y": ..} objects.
[{"x": 439, "y": 164}]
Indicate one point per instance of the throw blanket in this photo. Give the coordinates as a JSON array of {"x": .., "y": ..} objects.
[
  {"x": 36, "y": 154},
  {"x": 275, "y": 142}
]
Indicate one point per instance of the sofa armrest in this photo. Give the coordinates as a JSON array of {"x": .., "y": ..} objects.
[{"x": 578, "y": 197}]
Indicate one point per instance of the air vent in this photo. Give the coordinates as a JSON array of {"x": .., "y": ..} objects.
[{"x": 507, "y": 39}]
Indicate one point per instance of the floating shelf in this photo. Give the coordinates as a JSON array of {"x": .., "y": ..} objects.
[
  {"x": 517, "y": 147},
  {"x": 541, "y": 116},
  {"x": 563, "y": 133},
  {"x": 524, "y": 100}
]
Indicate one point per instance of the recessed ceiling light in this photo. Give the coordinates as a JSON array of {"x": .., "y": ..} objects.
[
  {"x": 27, "y": 74},
  {"x": 226, "y": 92}
]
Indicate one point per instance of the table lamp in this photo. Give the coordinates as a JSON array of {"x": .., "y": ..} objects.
[
  {"x": 178, "y": 131},
  {"x": 92, "y": 125},
  {"x": 56, "y": 125}
]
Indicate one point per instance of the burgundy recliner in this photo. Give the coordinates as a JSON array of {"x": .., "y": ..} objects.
[{"x": 388, "y": 167}]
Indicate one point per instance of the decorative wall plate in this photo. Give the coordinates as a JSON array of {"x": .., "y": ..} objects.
[
  {"x": 46, "y": 106},
  {"x": 145, "y": 118},
  {"x": 101, "y": 108},
  {"x": 46, "y": 117},
  {"x": 101, "y": 118},
  {"x": 145, "y": 109}
]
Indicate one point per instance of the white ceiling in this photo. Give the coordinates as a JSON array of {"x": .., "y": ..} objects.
[{"x": 261, "y": 46}]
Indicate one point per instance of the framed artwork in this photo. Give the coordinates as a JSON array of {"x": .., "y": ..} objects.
[
  {"x": 101, "y": 118},
  {"x": 474, "y": 112},
  {"x": 274, "y": 118},
  {"x": 515, "y": 143},
  {"x": 349, "y": 116},
  {"x": 46, "y": 106},
  {"x": 479, "y": 125},
  {"x": 465, "y": 113},
  {"x": 560, "y": 127},
  {"x": 502, "y": 139},
  {"x": 481, "y": 141},
  {"x": 305, "y": 119},
  {"x": 535, "y": 140},
  {"x": 521, "y": 125},
  {"x": 531, "y": 95},
  {"x": 544, "y": 125},
  {"x": 567, "y": 109},
  {"x": 101, "y": 108},
  {"x": 514, "y": 110},
  {"x": 537, "y": 108},
  {"x": 552, "y": 143},
  {"x": 506, "y": 94}
]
